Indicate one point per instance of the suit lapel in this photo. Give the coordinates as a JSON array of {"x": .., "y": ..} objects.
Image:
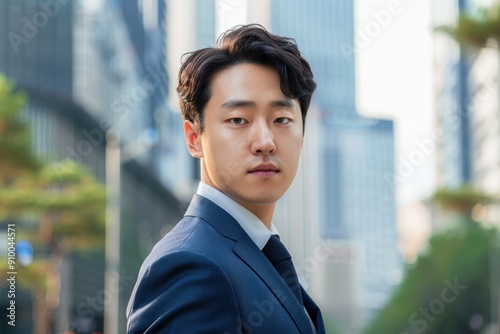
[
  {"x": 257, "y": 261},
  {"x": 249, "y": 253},
  {"x": 314, "y": 312}
]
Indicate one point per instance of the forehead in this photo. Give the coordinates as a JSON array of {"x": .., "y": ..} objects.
[
  {"x": 245, "y": 79},
  {"x": 248, "y": 86}
]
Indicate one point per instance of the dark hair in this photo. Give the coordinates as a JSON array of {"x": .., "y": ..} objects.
[{"x": 244, "y": 44}]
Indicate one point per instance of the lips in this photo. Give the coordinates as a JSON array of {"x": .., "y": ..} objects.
[{"x": 265, "y": 170}]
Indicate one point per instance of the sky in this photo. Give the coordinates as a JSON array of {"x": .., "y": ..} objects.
[{"x": 394, "y": 80}]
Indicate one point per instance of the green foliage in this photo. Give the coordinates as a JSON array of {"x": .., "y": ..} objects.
[
  {"x": 56, "y": 209},
  {"x": 475, "y": 30},
  {"x": 464, "y": 254},
  {"x": 330, "y": 325},
  {"x": 16, "y": 157},
  {"x": 461, "y": 200},
  {"x": 467, "y": 256}
]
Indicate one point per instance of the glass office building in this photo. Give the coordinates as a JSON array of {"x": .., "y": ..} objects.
[
  {"x": 357, "y": 204},
  {"x": 451, "y": 97},
  {"x": 84, "y": 71}
]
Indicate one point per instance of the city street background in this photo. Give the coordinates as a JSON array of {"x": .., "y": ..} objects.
[{"x": 393, "y": 218}]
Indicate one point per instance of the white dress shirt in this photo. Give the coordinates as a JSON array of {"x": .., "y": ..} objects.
[{"x": 248, "y": 221}]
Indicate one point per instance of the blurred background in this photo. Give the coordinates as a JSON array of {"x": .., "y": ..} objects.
[{"x": 392, "y": 220}]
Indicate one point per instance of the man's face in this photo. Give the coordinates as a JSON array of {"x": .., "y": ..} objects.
[{"x": 252, "y": 137}]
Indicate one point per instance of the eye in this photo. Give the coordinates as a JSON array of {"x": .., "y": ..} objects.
[
  {"x": 237, "y": 121},
  {"x": 283, "y": 120}
]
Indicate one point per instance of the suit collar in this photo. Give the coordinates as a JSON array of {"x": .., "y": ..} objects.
[
  {"x": 214, "y": 215},
  {"x": 248, "y": 221},
  {"x": 249, "y": 253}
]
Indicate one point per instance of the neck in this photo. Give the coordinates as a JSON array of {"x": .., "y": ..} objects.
[{"x": 263, "y": 212}]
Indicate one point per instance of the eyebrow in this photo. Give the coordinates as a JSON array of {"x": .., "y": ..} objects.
[{"x": 288, "y": 102}]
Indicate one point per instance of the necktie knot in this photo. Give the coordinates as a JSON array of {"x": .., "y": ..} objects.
[{"x": 276, "y": 251}]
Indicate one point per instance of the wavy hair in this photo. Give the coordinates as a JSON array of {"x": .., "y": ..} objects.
[{"x": 244, "y": 44}]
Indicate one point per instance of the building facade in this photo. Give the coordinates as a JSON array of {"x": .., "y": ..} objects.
[
  {"x": 356, "y": 203},
  {"x": 190, "y": 26},
  {"x": 84, "y": 72},
  {"x": 452, "y": 66},
  {"x": 467, "y": 103},
  {"x": 484, "y": 104}
]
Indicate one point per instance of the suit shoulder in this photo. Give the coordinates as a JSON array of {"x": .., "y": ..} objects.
[
  {"x": 178, "y": 281},
  {"x": 191, "y": 234}
]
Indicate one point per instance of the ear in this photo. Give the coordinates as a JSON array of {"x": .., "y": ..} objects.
[{"x": 193, "y": 139}]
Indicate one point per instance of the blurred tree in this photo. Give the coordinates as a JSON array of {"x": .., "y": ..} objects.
[
  {"x": 331, "y": 325},
  {"x": 56, "y": 209},
  {"x": 16, "y": 157},
  {"x": 453, "y": 286},
  {"x": 462, "y": 200},
  {"x": 475, "y": 30}
]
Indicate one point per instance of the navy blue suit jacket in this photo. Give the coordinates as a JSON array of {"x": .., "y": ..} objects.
[{"x": 208, "y": 276}]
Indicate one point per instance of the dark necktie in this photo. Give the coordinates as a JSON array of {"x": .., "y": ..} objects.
[{"x": 282, "y": 261}]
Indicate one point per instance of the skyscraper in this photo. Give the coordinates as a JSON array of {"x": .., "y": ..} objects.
[
  {"x": 452, "y": 93},
  {"x": 190, "y": 25},
  {"x": 485, "y": 129},
  {"x": 467, "y": 100},
  {"x": 320, "y": 28},
  {"x": 357, "y": 204},
  {"x": 83, "y": 72}
]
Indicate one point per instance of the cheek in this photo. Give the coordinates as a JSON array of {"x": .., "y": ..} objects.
[
  {"x": 293, "y": 147},
  {"x": 293, "y": 156},
  {"x": 231, "y": 146},
  {"x": 210, "y": 154},
  {"x": 224, "y": 158}
]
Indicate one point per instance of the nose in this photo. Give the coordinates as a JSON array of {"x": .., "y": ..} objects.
[{"x": 262, "y": 139}]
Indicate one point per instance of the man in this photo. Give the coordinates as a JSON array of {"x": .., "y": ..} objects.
[{"x": 222, "y": 269}]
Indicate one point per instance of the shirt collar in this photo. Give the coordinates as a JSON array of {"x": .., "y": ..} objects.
[{"x": 248, "y": 221}]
